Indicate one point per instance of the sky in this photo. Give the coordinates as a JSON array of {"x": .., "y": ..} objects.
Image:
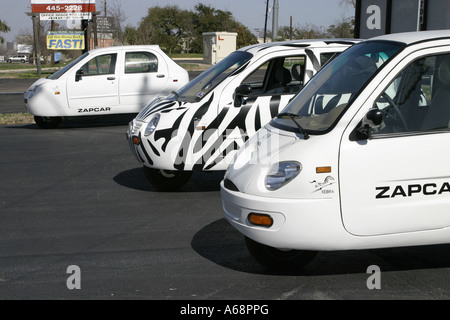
[{"x": 250, "y": 13}]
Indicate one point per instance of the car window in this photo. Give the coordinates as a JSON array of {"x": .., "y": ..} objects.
[
  {"x": 63, "y": 70},
  {"x": 326, "y": 57},
  {"x": 198, "y": 88},
  {"x": 326, "y": 97},
  {"x": 140, "y": 62},
  {"x": 282, "y": 75},
  {"x": 101, "y": 65},
  {"x": 417, "y": 99}
]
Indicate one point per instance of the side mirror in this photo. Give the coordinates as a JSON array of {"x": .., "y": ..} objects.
[
  {"x": 372, "y": 120},
  {"x": 241, "y": 92},
  {"x": 79, "y": 75}
]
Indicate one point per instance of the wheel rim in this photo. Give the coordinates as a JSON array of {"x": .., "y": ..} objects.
[{"x": 167, "y": 174}]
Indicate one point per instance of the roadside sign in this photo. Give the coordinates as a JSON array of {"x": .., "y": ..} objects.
[
  {"x": 105, "y": 24},
  {"x": 377, "y": 17},
  {"x": 64, "y": 40},
  {"x": 62, "y": 6},
  {"x": 66, "y": 16}
]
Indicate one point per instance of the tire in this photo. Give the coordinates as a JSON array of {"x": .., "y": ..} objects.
[
  {"x": 166, "y": 180},
  {"x": 279, "y": 260},
  {"x": 9, "y": 61},
  {"x": 48, "y": 122}
]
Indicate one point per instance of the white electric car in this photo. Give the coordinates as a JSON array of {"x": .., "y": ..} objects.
[
  {"x": 357, "y": 160},
  {"x": 105, "y": 81},
  {"x": 202, "y": 125}
]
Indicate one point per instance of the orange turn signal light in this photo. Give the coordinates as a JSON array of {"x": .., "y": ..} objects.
[
  {"x": 136, "y": 140},
  {"x": 262, "y": 220},
  {"x": 323, "y": 170}
]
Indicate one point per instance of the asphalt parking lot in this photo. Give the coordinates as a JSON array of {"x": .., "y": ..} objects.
[{"x": 75, "y": 196}]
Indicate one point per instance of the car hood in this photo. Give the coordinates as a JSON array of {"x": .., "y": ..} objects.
[
  {"x": 38, "y": 83},
  {"x": 161, "y": 105},
  {"x": 257, "y": 155}
]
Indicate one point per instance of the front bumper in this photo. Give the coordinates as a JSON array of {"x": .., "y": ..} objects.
[
  {"x": 136, "y": 148},
  {"x": 300, "y": 224}
]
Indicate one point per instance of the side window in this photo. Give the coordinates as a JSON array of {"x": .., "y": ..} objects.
[
  {"x": 257, "y": 78},
  {"x": 417, "y": 100},
  {"x": 140, "y": 62},
  {"x": 283, "y": 75},
  {"x": 327, "y": 57},
  {"x": 296, "y": 66},
  {"x": 101, "y": 65}
]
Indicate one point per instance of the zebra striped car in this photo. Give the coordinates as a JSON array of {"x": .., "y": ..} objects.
[{"x": 203, "y": 124}]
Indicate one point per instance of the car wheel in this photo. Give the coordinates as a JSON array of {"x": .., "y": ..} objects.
[
  {"x": 9, "y": 61},
  {"x": 281, "y": 260},
  {"x": 167, "y": 180},
  {"x": 47, "y": 122}
]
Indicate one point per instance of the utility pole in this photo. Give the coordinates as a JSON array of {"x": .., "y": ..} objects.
[
  {"x": 276, "y": 9},
  {"x": 37, "y": 48},
  {"x": 291, "y": 30},
  {"x": 265, "y": 24},
  {"x": 52, "y": 52}
]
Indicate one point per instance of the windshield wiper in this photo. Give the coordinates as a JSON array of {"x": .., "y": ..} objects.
[
  {"x": 293, "y": 117},
  {"x": 176, "y": 95}
]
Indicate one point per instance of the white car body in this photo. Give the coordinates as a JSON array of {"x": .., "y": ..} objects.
[
  {"x": 370, "y": 172},
  {"x": 115, "y": 80},
  {"x": 203, "y": 124}
]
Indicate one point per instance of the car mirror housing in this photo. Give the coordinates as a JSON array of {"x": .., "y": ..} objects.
[{"x": 241, "y": 92}]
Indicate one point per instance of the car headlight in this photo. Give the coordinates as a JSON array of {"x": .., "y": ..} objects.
[
  {"x": 281, "y": 174},
  {"x": 131, "y": 126},
  {"x": 151, "y": 126}
]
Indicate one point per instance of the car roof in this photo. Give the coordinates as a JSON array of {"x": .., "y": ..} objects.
[
  {"x": 414, "y": 37},
  {"x": 121, "y": 48},
  {"x": 295, "y": 44}
]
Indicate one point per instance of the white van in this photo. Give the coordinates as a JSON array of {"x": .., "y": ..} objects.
[
  {"x": 202, "y": 125},
  {"x": 104, "y": 81},
  {"x": 358, "y": 160}
]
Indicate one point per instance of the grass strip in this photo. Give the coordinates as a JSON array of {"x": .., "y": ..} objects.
[{"x": 16, "y": 118}]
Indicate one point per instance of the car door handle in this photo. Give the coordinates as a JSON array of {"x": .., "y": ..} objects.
[
  {"x": 111, "y": 78},
  {"x": 161, "y": 76}
]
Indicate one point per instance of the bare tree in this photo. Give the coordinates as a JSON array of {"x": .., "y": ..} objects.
[
  {"x": 116, "y": 17},
  {"x": 115, "y": 11},
  {"x": 348, "y": 3}
]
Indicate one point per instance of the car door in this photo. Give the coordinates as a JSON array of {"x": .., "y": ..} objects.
[
  {"x": 273, "y": 84},
  {"x": 144, "y": 77},
  {"x": 398, "y": 180},
  {"x": 96, "y": 86}
]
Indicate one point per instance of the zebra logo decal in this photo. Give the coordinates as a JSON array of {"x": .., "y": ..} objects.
[{"x": 323, "y": 187}]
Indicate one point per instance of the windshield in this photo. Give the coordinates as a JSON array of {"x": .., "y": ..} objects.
[
  {"x": 63, "y": 70},
  {"x": 195, "y": 90},
  {"x": 325, "y": 98}
]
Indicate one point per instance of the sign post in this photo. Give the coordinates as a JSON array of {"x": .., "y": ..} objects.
[
  {"x": 37, "y": 49},
  {"x": 57, "y": 10}
]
